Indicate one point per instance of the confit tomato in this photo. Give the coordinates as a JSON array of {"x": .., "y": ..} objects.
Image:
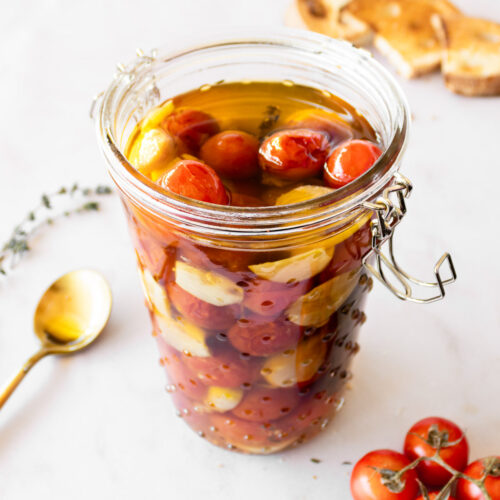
[
  {"x": 259, "y": 336},
  {"x": 294, "y": 154},
  {"x": 190, "y": 128},
  {"x": 199, "y": 312},
  {"x": 421, "y": 441},
  {"x": 264, "y": 405},
  {"x": 225, "y": 368},
  {"x": 178, "y": 373},
  {"x": 268, "y": 298},
  {"x": 232, "y": 154},
  {"x": 349, "y": 161},
  {"x": 366, "y": 478},
  {"x": 349, "y": 253},
  {"x": 193, "y": 179},
  {"x": 321, "y": 121},
  {"x": 469, "y": 491}
]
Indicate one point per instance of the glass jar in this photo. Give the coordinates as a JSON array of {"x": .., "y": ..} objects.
[{"x": 257, "y": 363}]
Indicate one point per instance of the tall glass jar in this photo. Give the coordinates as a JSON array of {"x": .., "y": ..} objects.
[{"x": 261, "y": 385}]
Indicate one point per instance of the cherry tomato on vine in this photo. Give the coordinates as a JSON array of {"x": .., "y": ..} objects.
[
  {"x": 294, "y": 154},
  {"x": 371, "y": 472},
  {"x": 193, "y": 179},
  {"x": 433, "y": 495},
  {"x": 423, "y": 439},
  {"x": 469, "y": 491},
  {"x": 349, "y": 161}
]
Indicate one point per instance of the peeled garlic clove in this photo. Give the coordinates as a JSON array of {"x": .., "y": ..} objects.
[
  {"x": 315, "y": 308},
  {"x": 302, "y": 193},
  {"x": 183, "y": 336},
  {"x": 211, "y": 287},
  {"x": 152, "y": 150},
  {"x": 296, "y": 365},
  {"x": 297, "y": 268},
  {"x": 223, "y": 399},
  {"x": 155, "y": 293}
]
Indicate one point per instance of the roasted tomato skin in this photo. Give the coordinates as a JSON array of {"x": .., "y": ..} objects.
[
  {"x": 264, "y": 405},
  {"x": 260, "y": 337},
  {"x": 469, "y": 491},
  {"x": 416, "y": 446},
  {"x": 193, "y": 179},
  {"x": 225, "y": 369},
  {"x": 320, "y": 121},
  {"x": 190, "y": 129},
  {"x": 199, "y": 312},
  {"x": 232, "y": 154},
  {"x": 294, "y": 154},
  {"x": 349, "y": 161},
  {"x": 366, "y": 483}
]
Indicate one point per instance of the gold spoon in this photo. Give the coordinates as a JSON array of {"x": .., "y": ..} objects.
[{"x": 70, "y": 315}]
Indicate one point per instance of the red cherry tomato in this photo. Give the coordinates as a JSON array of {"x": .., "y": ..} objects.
[
  {"x": 193, "y": 179},
  {"x": 417, "y": 445},
  {"x": 469, "y": 491},
  {"x": 224, "y": 369},
  {"x": 268, "y": 298},
  {"x": 199, "y": 312},
  {"x": 321, "y": 121},
  {"x": 349, "y": 253},
  {"x": 349, "y": 161},
  {"x": 232, "y": 154},
  {"x": 190, "y": 129},
  {"x": 366, "y": 481},
  {"x": 264, "y": 405},
  {"x": 312, "y": 411},
  {"x": 260, "y": 337},
  {"x": 294, "y": 154},
  {"x": 433, "y": 495},
  {"x": 178, "y": 373}
]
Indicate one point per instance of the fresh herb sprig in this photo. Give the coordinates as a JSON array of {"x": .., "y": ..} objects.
[{"x": 62, "y": 203}]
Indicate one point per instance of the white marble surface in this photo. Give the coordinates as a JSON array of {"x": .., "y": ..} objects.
[{"x": 99, "y": 425}]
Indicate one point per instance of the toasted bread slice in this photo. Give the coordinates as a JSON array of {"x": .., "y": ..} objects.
[
  {"x": 471, "y": 57},
  {"x": 403, "y": 30},
  {"x": 323, "y": 16}
]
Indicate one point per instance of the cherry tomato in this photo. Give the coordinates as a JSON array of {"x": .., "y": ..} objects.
[
  {"x": 312, "y": 412},
  {"x": 349, "y": 161},
  {"x": 178, "y": 373},
  {"x": 260, "y": 337},
  {"x": 224, "y": 369},
  {"x": 294, "y": 154},
  {"x": 264, "y": 405},
  {"x": 366, "y": 481},
  {"x": 199, "y": 312},
  {"x": 433, "y": 495},
  {"x": 193, "y": 179},
  {"x": 268, "y": 298},
  {"x": 232, "y": 154},
  {"x": 417, "y": 444},
  {"x": 469, "y": 491},
  {"x": 245, "y": 434},
  {"x": 321, "y": 121},
  {"x": 190, "y": 129},
  {"x": 349, "y": 253}
]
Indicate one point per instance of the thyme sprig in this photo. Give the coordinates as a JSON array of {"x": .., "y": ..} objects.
[{"x": 62, "y": 203}]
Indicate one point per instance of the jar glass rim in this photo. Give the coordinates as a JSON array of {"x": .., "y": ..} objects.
[{"x": 242, "y": 219}]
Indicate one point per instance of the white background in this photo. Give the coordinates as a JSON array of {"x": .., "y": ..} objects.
[{"x": 99, "y": 425}]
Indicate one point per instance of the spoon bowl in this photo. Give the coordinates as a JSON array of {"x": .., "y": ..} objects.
[{"x": 71, "y": 314}]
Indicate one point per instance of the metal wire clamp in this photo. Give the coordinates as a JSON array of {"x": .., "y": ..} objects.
[{"x": 388, "y": 214}]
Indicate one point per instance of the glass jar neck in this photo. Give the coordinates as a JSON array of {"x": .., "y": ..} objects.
[{"x": 304, "y": 58}]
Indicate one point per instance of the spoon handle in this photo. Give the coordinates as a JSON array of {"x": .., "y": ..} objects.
[{"x": 16, "y": 380}]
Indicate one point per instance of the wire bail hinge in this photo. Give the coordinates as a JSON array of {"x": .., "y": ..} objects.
[{"x": 388, "y": 214}]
